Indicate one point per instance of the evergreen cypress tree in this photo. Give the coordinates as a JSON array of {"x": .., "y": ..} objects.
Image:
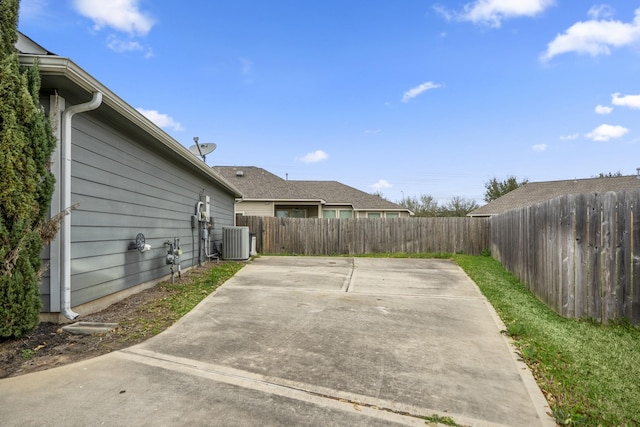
[{"x": 26, "y": 185}]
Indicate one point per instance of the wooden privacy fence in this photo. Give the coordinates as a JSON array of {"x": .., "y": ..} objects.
[
  {"x": 356, "y": 236},
  {"x": 580, "y": 254}
]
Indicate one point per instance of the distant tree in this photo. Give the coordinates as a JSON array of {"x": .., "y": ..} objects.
[
  {"x": 379, "y": 194},
  {"x": 608, "y": 175},
  {"x": 458, "y": 206},
  {"x": 497, "y": 188},
  {"x": 26, "y": 185},
  {"x": 423, "y": 206}
]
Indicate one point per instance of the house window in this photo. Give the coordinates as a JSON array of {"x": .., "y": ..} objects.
[
  {"x": 328, "y": 213},
  {"x": 346, "y": 214},
  {"x": 393, "y": 215},
  {"x": 373, "y": 214},
  {"x": 291, "y": 213}
]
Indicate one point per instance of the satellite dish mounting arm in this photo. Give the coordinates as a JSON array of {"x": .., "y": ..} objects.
[{"x": 196, "y": 139}]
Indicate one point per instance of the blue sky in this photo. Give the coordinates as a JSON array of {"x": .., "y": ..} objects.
[{"x": 402, "y": 97}]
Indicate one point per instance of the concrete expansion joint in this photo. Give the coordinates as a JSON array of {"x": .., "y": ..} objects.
[
  {"x": 348, "y": 281},
  {"x": 357, "y": 405},
  {"x": 375, "y": 408}
]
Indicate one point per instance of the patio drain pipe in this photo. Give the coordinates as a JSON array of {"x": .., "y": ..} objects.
[{"x": 65, "y": 267}]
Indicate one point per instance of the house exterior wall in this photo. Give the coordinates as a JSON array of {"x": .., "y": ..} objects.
[
  {"x": 268, "y": 208},
  {"x": 124, "y": 187},
  {"x": 252, "y": 208},
  {"x": 255, "y": 208}
]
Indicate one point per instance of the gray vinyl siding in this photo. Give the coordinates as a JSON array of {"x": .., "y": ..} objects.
[
  {"x": 45, "y": 281},
  {"x": 124, "y": 187}
]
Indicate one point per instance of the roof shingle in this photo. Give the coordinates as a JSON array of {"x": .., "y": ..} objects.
[
  {"x": 258, "y": 184},
  {"x": 537, "y": 192}
]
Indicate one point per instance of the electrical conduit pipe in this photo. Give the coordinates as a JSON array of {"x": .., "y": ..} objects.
[
  {"x": 65, "y": 294},
  {"x": 198, "y": 220}
]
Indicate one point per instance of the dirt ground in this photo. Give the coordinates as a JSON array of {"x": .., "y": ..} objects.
[{"x": 48, "y": 346}]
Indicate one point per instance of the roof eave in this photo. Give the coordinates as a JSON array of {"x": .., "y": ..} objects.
[
  {"x": 383, "y": 210},
  {"x": 291, "y": 201},
  {"x": 57, "y": 65}
]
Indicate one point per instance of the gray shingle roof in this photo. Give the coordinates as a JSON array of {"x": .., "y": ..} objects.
[
  {"x": 258, "y": 184},
  {"x": 335, "y": 193},
  {"x": 537, "y": 192}
]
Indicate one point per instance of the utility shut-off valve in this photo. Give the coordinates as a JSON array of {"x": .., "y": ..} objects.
[
  {"x": 204, "y": 224},
  {"x": 173, "y": 256}
]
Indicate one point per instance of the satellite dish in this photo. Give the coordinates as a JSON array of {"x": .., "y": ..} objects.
[
  {"x": 205, "y": 148},
  {"x": 202, "y": 149}
]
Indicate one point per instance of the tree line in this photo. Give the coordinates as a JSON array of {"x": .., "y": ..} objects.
[{"x": 426, "y": 205}]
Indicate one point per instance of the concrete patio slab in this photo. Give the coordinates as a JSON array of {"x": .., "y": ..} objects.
[{"x": 305, "y": 341}]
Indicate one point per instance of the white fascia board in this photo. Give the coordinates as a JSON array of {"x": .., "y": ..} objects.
[
  {"x": 57, "y": 65},
  {"x": 283, "y": 201},
  {"x": 409, "y": 212}
]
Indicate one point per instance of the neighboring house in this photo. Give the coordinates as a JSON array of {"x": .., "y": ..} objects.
[
  {"x": 265, "y": 194},
  {"x": 126, "y": 177},
  {"x": 537, "y": 192}
]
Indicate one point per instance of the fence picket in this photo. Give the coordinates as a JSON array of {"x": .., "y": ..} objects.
[
  {"x": 608, "y": 255},
  {"x": 634, "y": 310},
  {"x": 623, "y": 258},
  {"x": 581, "y": 255}
]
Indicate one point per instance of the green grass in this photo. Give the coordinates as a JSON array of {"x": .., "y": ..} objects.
[
  {"x": 184, "y": 297},
  {"x": 440, "y": 255},
  {"x": 590, "y": 373},
  {"x": 437, "y": 419},
  {"x": 28, "y": 353},
  {"x": 180, "y": 298}
]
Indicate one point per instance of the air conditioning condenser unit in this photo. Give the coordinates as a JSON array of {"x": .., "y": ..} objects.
[{"x": 235, "y": 243}]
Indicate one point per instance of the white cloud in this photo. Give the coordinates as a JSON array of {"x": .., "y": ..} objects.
[
  {"x": 601, "y": 11},
  {"x": 315, "y": 156},
  {"x": 161, "y": 120},
  {"x": 381, "y": 185},
  {"x": 595, "y": 37},
  {"x": 120, "y": 15},
  {"x": 372, "y": 131},
  {"x": 493, "y": 12},
  {"x": 603, "y": 109},
  {"x": 570, "y": 137},
  {"x": 117, "y": 45},
  {"x": 631, "y": 101},
  {"x": 120, "y": 46},
  {"x": 444, "y": 12},
  {"x": 539, "y": 147},
  {"x": 412, "y": 93},
  {"x": 606, "y": 132}
]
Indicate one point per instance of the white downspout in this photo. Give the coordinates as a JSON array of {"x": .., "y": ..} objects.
[{"x": 65, "y": 273}]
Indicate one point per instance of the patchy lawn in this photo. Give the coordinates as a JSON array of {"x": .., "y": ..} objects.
[{"x": 139, "y": 317}]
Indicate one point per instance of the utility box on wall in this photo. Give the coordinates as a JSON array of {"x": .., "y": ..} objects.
[{"x": 235, "y": 243}]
